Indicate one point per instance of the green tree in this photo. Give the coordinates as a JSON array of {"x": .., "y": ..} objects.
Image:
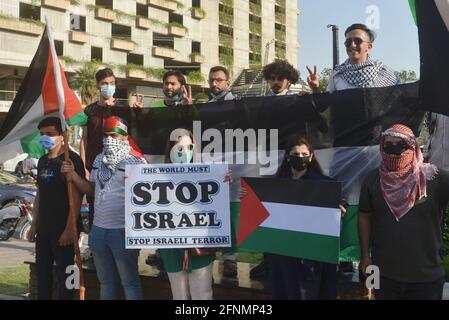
[
  {"x": 407, "y": 75},
  {"x": 324, "y": 78},
  {"x": 84, "y": 82}
]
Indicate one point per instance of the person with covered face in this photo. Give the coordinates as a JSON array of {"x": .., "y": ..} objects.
[
  {"x": 113, "y": 262},
  {"x": 399, "y": 221}
]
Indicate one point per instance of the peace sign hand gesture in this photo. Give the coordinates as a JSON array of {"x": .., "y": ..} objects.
[
  {"x": 312, "y": 79},
  {"x": 186, "y": 95}
]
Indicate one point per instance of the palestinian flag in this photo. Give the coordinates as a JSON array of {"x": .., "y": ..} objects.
[
  {"x": 432, "y": 19},
  {"x": 297, "y": 218},
  {"x": 44, "y": 92}
]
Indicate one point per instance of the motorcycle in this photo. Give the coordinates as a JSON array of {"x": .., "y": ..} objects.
[{"x": 15, "y": 216}]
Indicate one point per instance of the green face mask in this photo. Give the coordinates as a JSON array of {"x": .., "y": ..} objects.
[{"x": 181, "y": 156}]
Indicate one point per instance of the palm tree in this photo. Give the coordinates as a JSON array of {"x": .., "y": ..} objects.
[{"x": 84, "y": 82}]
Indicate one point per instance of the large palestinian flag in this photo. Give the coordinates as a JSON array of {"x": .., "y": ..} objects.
[
  {"x": 432, "y": 19},
  {"x": 297, "y": 218},
  {"x": 44, "y": 92}
]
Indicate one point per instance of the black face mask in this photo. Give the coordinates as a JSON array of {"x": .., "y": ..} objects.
[
  {"x": 299, "y": 163},
  {"x": 396, "y": 149}
]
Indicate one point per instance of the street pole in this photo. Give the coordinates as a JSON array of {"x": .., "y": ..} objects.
[{"x": 335, "y": 48}]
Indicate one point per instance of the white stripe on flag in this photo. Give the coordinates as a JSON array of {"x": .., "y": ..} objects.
[
  {"x": 317, "y": 220},
  {"x": 26, "y": 125},
  {"x": 443, "y": 8},
  {"x": 58, "y": 81}
]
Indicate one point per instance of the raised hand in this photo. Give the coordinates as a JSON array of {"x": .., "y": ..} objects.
[
  {"x": 186, "y": 95},
  {"x": 139, "y": 101},
  {"x": 312, "y": 79}
]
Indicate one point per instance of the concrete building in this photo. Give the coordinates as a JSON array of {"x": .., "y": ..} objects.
[{"x": 140, "y": 38}]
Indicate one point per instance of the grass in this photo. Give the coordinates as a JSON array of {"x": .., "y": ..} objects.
[
  {"x": 14, "y": 280},
  {"x": 248, "y": 257}
]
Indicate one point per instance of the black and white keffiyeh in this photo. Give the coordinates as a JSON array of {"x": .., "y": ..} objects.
[
  {"x": 369, "y": 74},
  {"x": 114, "y": 152}
]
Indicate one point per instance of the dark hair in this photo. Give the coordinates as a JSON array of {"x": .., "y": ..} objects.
[
  {"x": 104, "y": 73},
  {"x": 220, "y": 68},
  {"x": 51, "y": 121},
  {"x": 361, "y": 26},
  {"x": 178, "y": 74},
  {"x": 171, "y": 143},
  {"x": 281, "y": 68},
  {"x": 297, "y": 140}
]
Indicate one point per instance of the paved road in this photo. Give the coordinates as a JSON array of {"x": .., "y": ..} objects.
[{"x": 14, "y": 252}]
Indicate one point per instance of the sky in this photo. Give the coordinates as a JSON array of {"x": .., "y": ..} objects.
[{"x": 397, "y": 36}]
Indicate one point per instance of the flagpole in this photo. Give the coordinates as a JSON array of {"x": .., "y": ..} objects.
[
  {"x": 72, "y": 217},
  {"x": 70, "y": 188}
]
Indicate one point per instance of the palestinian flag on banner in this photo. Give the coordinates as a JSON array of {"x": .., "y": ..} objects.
[
  {"x": 297, "y": 218},
  {"x": 344, "y": 127},
  {"x": 44, "y": 92}
]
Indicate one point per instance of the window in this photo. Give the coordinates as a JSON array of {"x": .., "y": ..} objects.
[
  {"x": 108, "y": 4},
  {"x": 136, "y": 59},
  {"x": 173, "y": 17},
  {"x": 59, "y": 47},
  {"x": 161, "y": 40},
  {"x": 196, "y": 47},
  {"x": 28, "y": 11},
  {"x": 77, "y": 23},
  {"x": 120, "y": 31},
  {"x": 141, "y": 10},
  {"x": 196, "y": 3},
  {"x": 96, "y": 54}
]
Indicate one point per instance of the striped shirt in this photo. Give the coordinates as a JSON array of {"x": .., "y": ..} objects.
[{"x": 110, "y": 205}]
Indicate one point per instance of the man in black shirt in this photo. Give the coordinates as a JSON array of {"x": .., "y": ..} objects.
[
  {"x": 400, "y": 214},
  {"x": 51, "y": 226}
]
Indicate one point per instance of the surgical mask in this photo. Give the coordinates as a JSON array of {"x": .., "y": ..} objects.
[
  {"x": 181, "y": 155},
  {"x": 282, "y": 93},
  {"x": 299, "y": 163},
  {"x": 394, "y": 149},
  {"x": 107, "y": 91},
  {"x": 49, "y": 143},
  {"x": 218, "y": 96},
  {"x": 175, "y": 98}
]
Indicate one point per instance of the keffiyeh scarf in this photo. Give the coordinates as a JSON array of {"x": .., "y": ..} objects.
[{"x": 368, "y": 74}]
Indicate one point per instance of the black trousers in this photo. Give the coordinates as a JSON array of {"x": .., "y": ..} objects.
[
  {"x": 395, "y": 290},
  {"x": 297, "y": 279},
  {"x": 49, "y": 251}
]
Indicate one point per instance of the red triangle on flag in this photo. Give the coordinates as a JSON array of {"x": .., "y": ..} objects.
[{"x": 252, "y": 213}]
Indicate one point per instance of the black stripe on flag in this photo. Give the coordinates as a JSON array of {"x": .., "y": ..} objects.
[
  {"x": 434, "y": 52},
  {"x": 316, "y": 193},
  {"x": 31, "y": 88}
]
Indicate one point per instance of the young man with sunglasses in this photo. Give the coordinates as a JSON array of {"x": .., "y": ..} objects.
[
  {"x": 359, "y": 70},
  {"x": 400, "y": 214}
]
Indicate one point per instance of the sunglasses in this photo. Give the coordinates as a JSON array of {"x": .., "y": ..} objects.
[{"x": 358, "y": 41}]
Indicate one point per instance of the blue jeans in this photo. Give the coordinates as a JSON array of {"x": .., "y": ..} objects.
[{"x": 114, "y": 263}]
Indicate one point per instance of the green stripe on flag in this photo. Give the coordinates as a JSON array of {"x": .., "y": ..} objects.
[
  {"x": 349, "y": 238},
  {"x": 30, "y": 144},
  {"x": 79, "y": 119},
  {"x": 293, "y": 243},
  {"x": 412, "y": 8}
]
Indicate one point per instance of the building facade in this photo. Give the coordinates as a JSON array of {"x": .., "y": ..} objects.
[{"x": 141, "y": 38}]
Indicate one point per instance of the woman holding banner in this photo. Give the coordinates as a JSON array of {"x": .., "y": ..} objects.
[
  {"x": 189, "y": 270},
  {"x": 291, "y": 277}
]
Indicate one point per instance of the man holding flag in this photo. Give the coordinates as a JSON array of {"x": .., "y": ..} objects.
[{"x": 52, "y": 227}]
